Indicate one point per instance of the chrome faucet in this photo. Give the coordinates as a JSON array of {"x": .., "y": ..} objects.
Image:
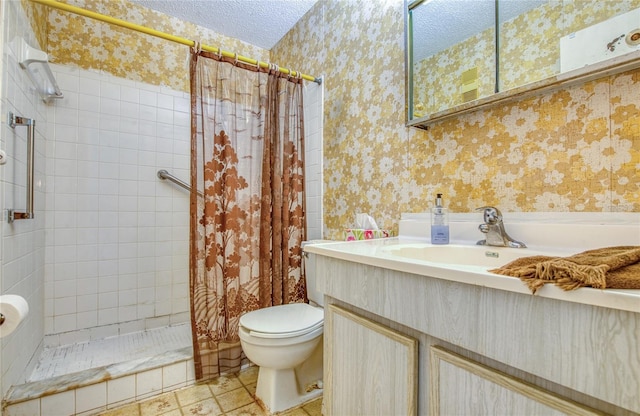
[{"x": 493, "y": 227}]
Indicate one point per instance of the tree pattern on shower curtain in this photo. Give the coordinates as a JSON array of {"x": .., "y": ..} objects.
[{"x": 247, "y": 145}]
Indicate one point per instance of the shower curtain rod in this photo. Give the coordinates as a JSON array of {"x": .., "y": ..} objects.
[{"x": 166, "y": 36}]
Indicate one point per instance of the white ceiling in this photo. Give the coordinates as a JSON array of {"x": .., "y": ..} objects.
[{"x": 258, "y": 22}]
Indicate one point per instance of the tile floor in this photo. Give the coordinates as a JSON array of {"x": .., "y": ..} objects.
[{"x": 229, "y": 395}]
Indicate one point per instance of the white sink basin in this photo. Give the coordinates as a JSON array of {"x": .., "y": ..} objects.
[{"x": 483, "y": 256}]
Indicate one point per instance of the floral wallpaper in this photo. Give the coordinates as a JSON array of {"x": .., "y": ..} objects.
[
  {"x": 529, "y": 51},
  {"x": 574, "y": 149},
  {"x": 90, "y": 44},
  {"x": 437, "y": 78},
  {"x": 559, "y": 152},
  {"x": 359, "y": 49},
  {"x": 37, "y": 15},
  {"x": 529, "y": 43}
]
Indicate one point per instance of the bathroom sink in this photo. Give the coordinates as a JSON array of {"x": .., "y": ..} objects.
[{"x": 470, "y": 255}]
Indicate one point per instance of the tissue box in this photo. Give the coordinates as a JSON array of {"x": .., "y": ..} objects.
[{"x": 352, "y": 234}]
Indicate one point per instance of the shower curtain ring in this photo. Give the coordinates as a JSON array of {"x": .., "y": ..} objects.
[
  {"x": 219, "y": 55},
  {"x": 236, "y": 59},
  {"x": 197, "y": 47}
]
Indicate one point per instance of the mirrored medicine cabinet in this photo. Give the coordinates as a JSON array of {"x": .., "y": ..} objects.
[{"x": 463, "y": 55}]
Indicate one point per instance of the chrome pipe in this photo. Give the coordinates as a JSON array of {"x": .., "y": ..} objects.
[
  {"x": 15, "y": 121},
  {"x": 163, "y": 174}
]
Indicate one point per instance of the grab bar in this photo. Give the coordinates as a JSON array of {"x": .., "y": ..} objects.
[
  {"x": 15, "y": 121},
  {"x": 163, "y": 174}
]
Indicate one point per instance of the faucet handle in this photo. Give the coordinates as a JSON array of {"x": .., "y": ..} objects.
[{"x": 492, "y": 215}]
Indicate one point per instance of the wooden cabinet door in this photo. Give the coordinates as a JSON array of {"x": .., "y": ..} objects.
[
  {"x": 459, "y": 386},
  {"x": 369, "y": 369}
]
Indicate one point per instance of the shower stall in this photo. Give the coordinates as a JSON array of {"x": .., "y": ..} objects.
[{"x": 103, "y": 263}]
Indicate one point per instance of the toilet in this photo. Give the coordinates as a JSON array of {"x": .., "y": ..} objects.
[{"x": 285, "y": 341}]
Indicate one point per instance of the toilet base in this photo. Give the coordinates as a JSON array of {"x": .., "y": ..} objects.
[{"x": 278, "y": 390}]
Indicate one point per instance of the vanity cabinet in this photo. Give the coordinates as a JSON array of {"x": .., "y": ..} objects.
[
  {"x": 386, "y": 367},
  {"x": 459, "y": 386},
  {"x": 481, "y": 350}
]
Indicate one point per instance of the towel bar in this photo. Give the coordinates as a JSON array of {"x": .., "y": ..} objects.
[{"x": 15, "y": 121}]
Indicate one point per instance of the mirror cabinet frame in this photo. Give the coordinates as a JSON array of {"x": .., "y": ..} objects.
[{"x": 561, "y": 80}]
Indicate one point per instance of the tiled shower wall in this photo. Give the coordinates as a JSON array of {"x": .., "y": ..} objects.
[
  {"x": 313, "y": 95},
  {"x": 117, "y": 235},
  {"x": 22, "y": 252}
]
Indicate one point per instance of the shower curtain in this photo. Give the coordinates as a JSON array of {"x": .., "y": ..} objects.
[{"x": 247, "y": 201}]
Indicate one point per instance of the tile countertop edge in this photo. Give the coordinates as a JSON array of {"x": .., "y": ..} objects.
[{"x": 369, "y": 252}]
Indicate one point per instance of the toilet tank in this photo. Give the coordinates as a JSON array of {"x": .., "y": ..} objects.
[{"x": 314, "y": 295}]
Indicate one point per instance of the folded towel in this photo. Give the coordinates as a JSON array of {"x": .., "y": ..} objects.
[{"x": 610, "y": 267}]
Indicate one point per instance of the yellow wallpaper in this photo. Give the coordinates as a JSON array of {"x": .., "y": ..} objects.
[
  {"x": 576, "y": 149},
  {"x": 437, "y": 79},
  {"x": 530, "y": 46},
  {"x": 37, "y": 15},
  {"x": 559, "y": 152},
  {"x": 359, "y": 48},
  {"x": 532, "y": 52},
  {"x": 89, "y": 44},
  {"x": 529, "y": 52}
]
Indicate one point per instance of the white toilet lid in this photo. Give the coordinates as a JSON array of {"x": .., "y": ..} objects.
[{"x": 283, "y": 321}]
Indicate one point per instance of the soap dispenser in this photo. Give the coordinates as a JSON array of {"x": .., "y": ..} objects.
[{"x": 439, "y": 223}]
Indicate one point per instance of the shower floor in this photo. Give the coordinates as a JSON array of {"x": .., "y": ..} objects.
[
  {"x": 73, "y": 358},
  {"x": 136, "y": 366}
]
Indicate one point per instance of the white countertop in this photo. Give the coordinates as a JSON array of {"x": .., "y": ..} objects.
[{"x": 378, "y": 253}]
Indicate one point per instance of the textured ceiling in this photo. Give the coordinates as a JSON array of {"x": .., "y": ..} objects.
[{"x": 258, "y": 22}]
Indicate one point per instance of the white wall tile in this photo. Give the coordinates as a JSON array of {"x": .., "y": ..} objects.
[
  {"x": 313, "y": 158},
  {"x": 28, "y": 408},
  {"x": 122, "y": 134},
  {"x": 91, "y": 397},
  {"x": 129, "y": 110},
  {"x": 165, "y": 101},
  {"x": 86, "y": 319},
  {"x": 121, "y": 390},
  {"x": 191, "y": 376},
  {"x": 64, "y": 305},
  {"x": 174, "y": 375},
  {"x": 147, "y": 112},
  {"x": 88, "y": 102},
  {"x": 129, "y": 94},
  {"x": 148, "y": 98},
  {"x": 64, "y": 323},
  {"x": 68, "y": 82},
  {"x": 107, "y": 316},
  {"x": 60, "y": 404},
  {"x": 148, "y": 383},
  {"x": 129, "y": 124},
  {"x": 182, "y": 104},
  {"x": 166, "y": 115},
  {"x": 109, "y": 90},
  {"x": 88, "y": 86}
]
